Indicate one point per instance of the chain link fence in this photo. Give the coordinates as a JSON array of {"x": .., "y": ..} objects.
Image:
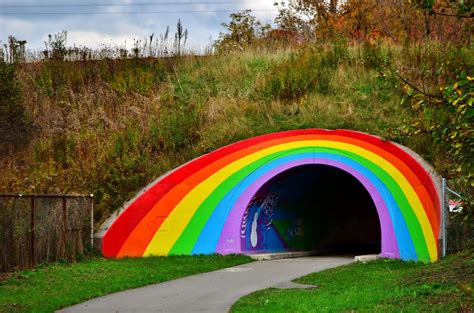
[
  {"x": 37, "y": 229},
  {"x": 458, "y": 218}
]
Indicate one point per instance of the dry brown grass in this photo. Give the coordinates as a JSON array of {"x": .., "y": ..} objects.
[{"x": 109, "y": 127}]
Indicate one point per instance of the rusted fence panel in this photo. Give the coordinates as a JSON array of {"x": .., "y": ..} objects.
[
  {"x": 37, "y": 229},
  {"x": 458, "y": 216}
]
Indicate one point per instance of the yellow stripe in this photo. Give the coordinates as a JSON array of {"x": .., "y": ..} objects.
[{"x": 180, "y": 216}]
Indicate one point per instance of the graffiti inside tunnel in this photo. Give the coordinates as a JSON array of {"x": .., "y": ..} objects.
[
  {"x": 209, "y": 204},
  {"x": 311, "y": 208}
]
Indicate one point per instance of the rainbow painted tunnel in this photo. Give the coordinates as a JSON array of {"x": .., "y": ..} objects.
[{"x": 313, "y": 189}]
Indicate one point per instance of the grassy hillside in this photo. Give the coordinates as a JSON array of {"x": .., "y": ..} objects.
[{"x": 109, "y": 127}]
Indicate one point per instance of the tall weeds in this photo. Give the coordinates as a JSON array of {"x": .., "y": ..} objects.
[{"x": 111, "y": 126}]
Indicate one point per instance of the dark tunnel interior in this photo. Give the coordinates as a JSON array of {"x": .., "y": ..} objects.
[{"x": 316, "y": 208}]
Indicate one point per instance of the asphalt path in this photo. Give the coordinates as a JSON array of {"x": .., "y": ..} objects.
[{"x": 213, "y": 291}]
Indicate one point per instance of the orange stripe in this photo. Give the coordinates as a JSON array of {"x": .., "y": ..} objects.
[{"x": 140, "y": 237}]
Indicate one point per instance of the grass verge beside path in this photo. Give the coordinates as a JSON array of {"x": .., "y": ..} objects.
[
  {"x": 56, "y": 286},
  {"x": 382, "y": 286}
]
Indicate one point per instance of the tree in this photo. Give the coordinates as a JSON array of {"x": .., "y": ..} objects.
[
  {"x": 455, "y": 8},
  {"x": 305, "y": 16},
  {"x": 243, "y": 30},
  {"x": 362, "y": 20},
  {"x": 448, "y": 117},
  {"x": 15, "y": 50},
  {"x": 56, "y": 46}
]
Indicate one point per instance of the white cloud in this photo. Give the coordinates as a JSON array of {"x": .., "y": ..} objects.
[
  {"x": 93, "y": 30},
  {"x": 93, "y": 39},
  {"x": 262, "y": 5}
]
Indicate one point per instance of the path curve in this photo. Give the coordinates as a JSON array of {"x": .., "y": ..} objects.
[{"x": 210, "y": 292}]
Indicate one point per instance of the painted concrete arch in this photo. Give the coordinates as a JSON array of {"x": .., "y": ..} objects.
[
  {"x": 198, "y": 207},
  {"x": 222, "y": 229}
]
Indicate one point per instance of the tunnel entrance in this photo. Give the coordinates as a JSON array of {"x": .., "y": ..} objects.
[{"x": 311, "y": 208}]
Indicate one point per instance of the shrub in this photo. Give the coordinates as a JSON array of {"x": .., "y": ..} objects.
[
  {"x": 15, "y": 125},
  {"x": 308, "y": 70}
]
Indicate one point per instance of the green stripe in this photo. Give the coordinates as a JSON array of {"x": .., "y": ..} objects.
[
  {"x": 188, "y": 238},
  {"x": 409, "y": 215}
]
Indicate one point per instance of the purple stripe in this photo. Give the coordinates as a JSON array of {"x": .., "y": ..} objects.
[{"x": 229, "y": 240}]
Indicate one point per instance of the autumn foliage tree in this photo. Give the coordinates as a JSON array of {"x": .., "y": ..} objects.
[
  {"x": 456, "y": 8},
  {"x": 361, "y": 20},
  {"x": 435, "y": 74},
  {"x": 242, "y": 31}
]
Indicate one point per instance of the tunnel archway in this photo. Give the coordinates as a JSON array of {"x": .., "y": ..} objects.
[
  {"x": 198, "y": 207},
  {"x": 314, "y": 207}
]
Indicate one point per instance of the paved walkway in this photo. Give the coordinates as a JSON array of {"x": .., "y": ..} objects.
[{"x": 210, "y": 292}]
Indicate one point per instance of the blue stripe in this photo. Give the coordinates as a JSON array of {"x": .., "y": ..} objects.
[{"x": 210, "y": 234}]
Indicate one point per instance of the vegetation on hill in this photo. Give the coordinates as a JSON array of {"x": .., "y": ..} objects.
[{"x": 109, "y": 122}]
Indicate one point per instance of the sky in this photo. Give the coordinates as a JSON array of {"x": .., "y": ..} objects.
[{"x": 116, "y": 28}]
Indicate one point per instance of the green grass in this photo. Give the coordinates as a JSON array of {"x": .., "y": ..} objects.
[
  {"x": 48, "y": 288},
  {"x": 381, "y": 286}
]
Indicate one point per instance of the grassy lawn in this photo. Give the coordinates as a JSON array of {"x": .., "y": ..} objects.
[
  {"x": 55, "y": 286},
  {"x": 383, "y": 286}
]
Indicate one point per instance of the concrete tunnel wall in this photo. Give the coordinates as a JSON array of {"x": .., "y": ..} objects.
[{"x": 199, "y": 207}]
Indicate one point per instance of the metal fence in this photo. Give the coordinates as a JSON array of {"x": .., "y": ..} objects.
[
  {"x": 457, "y": 229},
  {"x": 37, "y": 229}
]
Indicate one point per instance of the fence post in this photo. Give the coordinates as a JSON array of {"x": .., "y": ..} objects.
[
  {"x": 32, "y": 228},
  {"x": 65, "y": 226},
  {"x": 92, "y": 221},
  {"x": 443, "y": 216}
]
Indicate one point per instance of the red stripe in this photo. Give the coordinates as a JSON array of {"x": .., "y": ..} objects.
[
  {"x": 119, "y": 231},
  {"x": 410, "y": 161}
]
